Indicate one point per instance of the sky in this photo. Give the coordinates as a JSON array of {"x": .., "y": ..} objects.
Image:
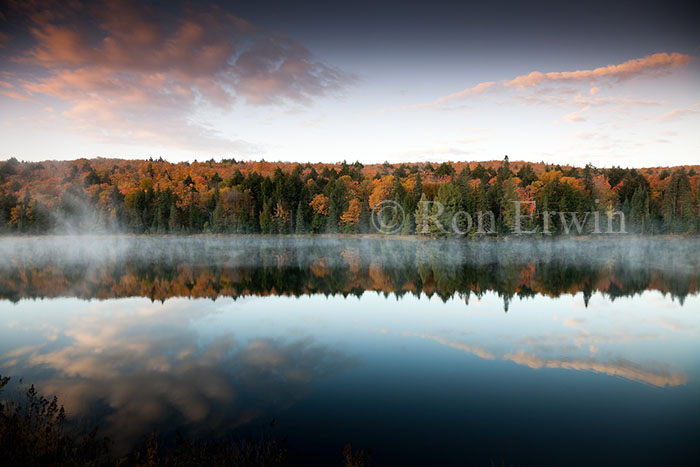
[{"x": 559, "y": 82}]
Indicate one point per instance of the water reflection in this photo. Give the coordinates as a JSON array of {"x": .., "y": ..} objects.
[
  {"x": 133, "y": 366},
  {"x": 366, "y": 341},
  {"x": 211, "y": 267},
  {"x": 626, "y": 369},
  {"x": 656, "y": 374}
]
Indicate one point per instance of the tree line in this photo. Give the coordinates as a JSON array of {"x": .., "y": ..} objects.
[{"x": 228, "y": 196}]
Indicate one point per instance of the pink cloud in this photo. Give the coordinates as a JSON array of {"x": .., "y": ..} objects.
[
  {"x": 677, "y": 114},
  {"x": 478, "y": 89},
  {"x": 16, "y": 95},
  {"x": 645, "y": 66},
  {"x": 660, "y": 377},
  {"x": 576, "y": 116},
  {"x": 133, "y": 67},
  {"x": 629, "y": 69},
  {"x": 60, "y": 46}
]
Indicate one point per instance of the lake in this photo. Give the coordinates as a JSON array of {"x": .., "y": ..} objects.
[{"x": 422, "y": 352}]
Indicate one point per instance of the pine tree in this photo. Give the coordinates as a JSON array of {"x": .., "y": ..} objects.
[
  {"x": 639, "y": 210},
  {"x": 218, "y": 222},
  {"x": 504, "y": 173},
  {"x": 364, "y": 222},
  {"x": 409, "y": 226},
  {"x": 398, "y": 192},
  {"x": 300, "y": 226},
  {"x": 332, "y": 218},
  {"x": 510, "y": 195},
  {"x": 417, "y": 188},
  {"x": 422, "y": 224},
  {"x": 265, "y": 219},
  {"x": 174, "y": 221}
]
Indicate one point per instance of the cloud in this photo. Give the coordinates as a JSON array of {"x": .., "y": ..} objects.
[
  {"x": 618, "y": 101},
  {"x": 279, "y": 69},
  {"x": 674, "y": 325},
  {"x": 623, "y": 368},
  {"x": 678, "y": 114},
  {"x": 576, "y": 116},
  {"x": 660, "y": 62},
  {"x": 650, "y": 65},
  {"x": 464, "y": 347},
  {"x": 538, "y": 97},
  {"x": 574, "y": 322},
  {"x": 135, "y": 74},
  {"x": 16, "y": 95},
  {"x": 658, "y": 376},
  {"x": 469, "y": 92}
]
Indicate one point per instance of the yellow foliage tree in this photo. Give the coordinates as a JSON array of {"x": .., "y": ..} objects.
[
  {"x": 352, "y": 215},
  {"x": 381, "y": 190},
  {"x": 320, "y": 204}
]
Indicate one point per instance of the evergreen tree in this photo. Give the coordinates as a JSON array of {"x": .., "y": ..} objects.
[
  {"x": 504, "y": 172},
  {"x": 418, "y": 188},
  {"x": 422, "y": 223},
  {"x": 332, "y": 218},
  {"x": 218, "y": 220},
  {"x": 526, "y": 175},
  {"x": 510, "y": 195},
  {"x": 639, "y": 210},
  {"x": 174, "y": 221},
  {"x": 445, "y": 170},
  {"x": 265, "y": 219},
  {"x": 300, "y": 226},
  {"x": 364, "y": 222}
]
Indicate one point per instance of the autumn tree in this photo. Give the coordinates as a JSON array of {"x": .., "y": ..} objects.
[{"x": 351, "y": 216}]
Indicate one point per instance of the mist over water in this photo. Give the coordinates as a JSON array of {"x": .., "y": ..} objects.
[
  {"x": 399, "y": 345},
  {"x": 93, "y": 266}
]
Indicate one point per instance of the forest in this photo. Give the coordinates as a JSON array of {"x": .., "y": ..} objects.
[{"x": 259, "y": 197}]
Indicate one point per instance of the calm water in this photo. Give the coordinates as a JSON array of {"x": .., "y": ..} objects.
[{"x": 426, "y": 352}]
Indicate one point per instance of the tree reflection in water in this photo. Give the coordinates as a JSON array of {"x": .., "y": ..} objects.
[{"x": 209, "y": 267}]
